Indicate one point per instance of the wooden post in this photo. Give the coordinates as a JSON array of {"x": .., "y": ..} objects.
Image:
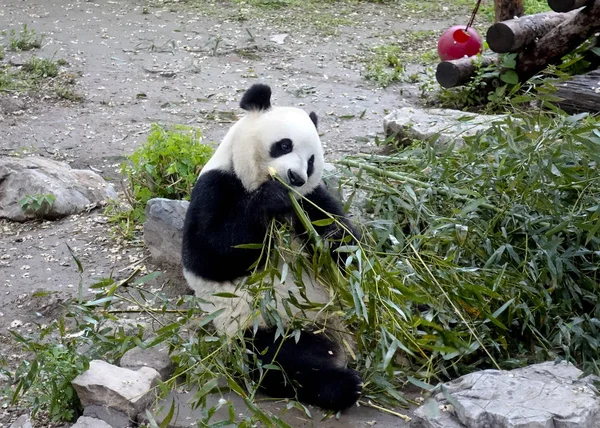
[
  {"x": 507, "y": 9},
  {"x": 457, "y": 72},
  {"x": 559, "y": 41},
  {"x": 566, "y": 5},
  {"x": 512, "y": 35}
]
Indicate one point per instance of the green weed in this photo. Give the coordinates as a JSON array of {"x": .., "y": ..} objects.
[
  {"x": 165, "y": 167},
  {"x": 41, "y": 67},
  {"x": 25, "y": 40},
  {"x": 38, "y": 204}
]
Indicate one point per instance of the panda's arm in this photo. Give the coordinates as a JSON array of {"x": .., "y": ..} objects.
[
  {"x": 223, "y": 215},
  {"x": 336, "y": 232}
]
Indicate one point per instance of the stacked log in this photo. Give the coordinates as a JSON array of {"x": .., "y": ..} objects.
[{"x": 539, "y": 40}]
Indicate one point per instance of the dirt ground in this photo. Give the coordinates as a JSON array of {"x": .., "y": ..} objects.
[{"x": 140, "y": 62}]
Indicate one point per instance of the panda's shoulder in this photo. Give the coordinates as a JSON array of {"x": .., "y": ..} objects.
[{"x": 218, "y": 183}]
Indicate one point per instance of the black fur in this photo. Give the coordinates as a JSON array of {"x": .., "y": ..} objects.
[
  {"x": 313, "y": 117},
  {"x": 311, "y": 369},
  {"x": 257, "y": 97},
  {"x": 311, "y": 166}
]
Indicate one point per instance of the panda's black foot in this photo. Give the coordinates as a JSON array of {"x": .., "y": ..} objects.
[{"x": 331, "y": 389}]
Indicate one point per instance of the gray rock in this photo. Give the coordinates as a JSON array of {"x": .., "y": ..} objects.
[
  {"x": 22, "y": 421},
  {"x": 448, "y": 126},
  {"x": 75, "y": 190},
  {"x": 539, "y": 396},
  {"x": 116, "y": 388},
  {"x": 87, "y": 422},
  {"x": 156, "y": 357},
  {"x": 112, "y": 417},
  {"x": 163, "y": 230},
  {"x": 433, "y": 415}
]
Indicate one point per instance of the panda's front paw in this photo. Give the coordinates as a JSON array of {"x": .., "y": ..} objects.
[
  {"x": 332, "y": 389},
  {"x": 275, "y": 198}
]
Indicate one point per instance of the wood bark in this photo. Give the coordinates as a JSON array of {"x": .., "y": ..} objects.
[
  {"x": 566, "y": 5},
  {"x": 512, "y": 35},
  {"x": 559, "y": 41},
  {"x": 581, "y": 93},
  {"x": 457, "y": 72},
  {"x": 507, "y": 9}
]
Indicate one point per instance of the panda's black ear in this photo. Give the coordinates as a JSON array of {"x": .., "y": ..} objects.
[
  {"x": 313, "y": 117},
  {"x": 257, "y": 97}
]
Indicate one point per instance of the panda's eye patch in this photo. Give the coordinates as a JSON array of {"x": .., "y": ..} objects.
[{"x": 281, "y": 147}]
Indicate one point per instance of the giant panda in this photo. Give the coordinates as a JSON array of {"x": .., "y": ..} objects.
[{"x": 233, "y": 203}]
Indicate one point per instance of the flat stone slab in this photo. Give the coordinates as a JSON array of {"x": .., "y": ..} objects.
[
  {"x": 443, "y": 126},
  {"x": 185, "y": 416},
  {"x": 545, "y": 395},
  {"x": 117, "y": 388}
]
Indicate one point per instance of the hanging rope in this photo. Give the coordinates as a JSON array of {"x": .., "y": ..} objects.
[{"x": 473, "y": 15}]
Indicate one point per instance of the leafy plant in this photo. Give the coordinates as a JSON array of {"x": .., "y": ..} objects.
[
  {"x": 486, "y": 256},
  {"x": 45, "y": 381},
  {"x": 26, "y": 40},
  {"x": 38, "y": 204},
  {"x": 165, "y": 167}
]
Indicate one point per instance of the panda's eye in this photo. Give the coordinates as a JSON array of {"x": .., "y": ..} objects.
[
  {"x": 311, "y": 161},
  {"x": 281, "y": 147},
  {"x": 285, "y": 146}
]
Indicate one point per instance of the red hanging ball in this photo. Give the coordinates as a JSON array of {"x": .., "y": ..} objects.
[{"x": 456, "y": 43}]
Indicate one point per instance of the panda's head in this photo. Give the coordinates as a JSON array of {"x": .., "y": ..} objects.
[{"x": 271, "y": 139}]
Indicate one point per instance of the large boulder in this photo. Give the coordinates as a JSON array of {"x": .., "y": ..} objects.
[
  {"x": 74, "y": 190},
  {"x": 538, "y": 396}
]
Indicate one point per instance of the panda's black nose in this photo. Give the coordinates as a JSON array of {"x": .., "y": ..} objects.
[{"x": 295, "y": 179}]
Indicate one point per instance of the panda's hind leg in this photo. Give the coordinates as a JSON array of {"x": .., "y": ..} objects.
[{"x": 311, "y": 369}]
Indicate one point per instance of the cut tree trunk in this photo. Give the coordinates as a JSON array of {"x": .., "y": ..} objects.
[
  {"x": 559, "y": 41},
  {"x": 512, "y": 35},
  {"x": 507, "y": 9},
  {"x": 457, "y": 72},
  {"x": 566, "y": 5},
  {"x": 581, "y": 93}
]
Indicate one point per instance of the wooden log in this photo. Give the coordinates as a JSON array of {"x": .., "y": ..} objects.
[
  {"x": 457, "y": 72},
  {"x": 512, "y": 35},
  {"x": 507, "y": 9},
  {"x": 559, "y": 41},
  {"x": 581, "y": 93},
  {"x": 566, "y": 5}
]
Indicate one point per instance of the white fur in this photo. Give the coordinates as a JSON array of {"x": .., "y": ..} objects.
[
  {"x": 239, "y": 312},
  {"x": 245, "y": 148}
]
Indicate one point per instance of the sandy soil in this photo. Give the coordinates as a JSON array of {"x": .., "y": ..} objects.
[{"x": 141, "y": 62}]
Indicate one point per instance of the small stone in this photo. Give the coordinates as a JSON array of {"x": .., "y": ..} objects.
[
  {"x": 87, "y": 422},
  {"x": 117, "y": 388},
  {"x": 22, "y": 421},
  {"x": 156, "y": 357}
]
